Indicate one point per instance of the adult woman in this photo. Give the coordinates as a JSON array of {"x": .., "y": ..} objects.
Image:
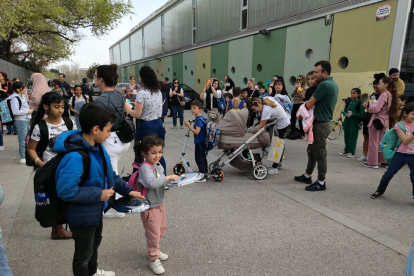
[
  {"x": 131, "y": 90},
  {"x": 176, "y": 97},
  {"x": 148, "y": 108},
  {"x": 5, "y": 91},
  {"x": 228, "y": 86},
  {"x": 210, "y": 95},
  {"x": 298, "y": 95},
  {"x": 272, "y": 85},
  {"x": 271, "y": 110},
  {"x": 251, "y": 91},
  {"x": 38, "y": 90},
  {"x": 382, "y": 110}
]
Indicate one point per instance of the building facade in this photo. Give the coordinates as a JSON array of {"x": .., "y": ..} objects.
[{"x": 194, "y": 40}]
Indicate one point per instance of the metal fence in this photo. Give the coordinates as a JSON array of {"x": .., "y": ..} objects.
[{"x": 14, "y": 71}]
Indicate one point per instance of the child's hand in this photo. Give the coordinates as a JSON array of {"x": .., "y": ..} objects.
[
  {"x": 187, "y": 123},
  {"x": 135, "y": 194},
  {"x": 30, "y": 111},
  {"x": 172, "y": 177},
  {"x": 106, "y": 194}
]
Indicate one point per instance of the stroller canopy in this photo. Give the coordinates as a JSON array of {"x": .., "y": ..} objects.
[{"x": 234, "y": 123}]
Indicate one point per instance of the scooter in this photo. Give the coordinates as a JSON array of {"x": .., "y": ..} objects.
[{"x": 179, "y": 168}]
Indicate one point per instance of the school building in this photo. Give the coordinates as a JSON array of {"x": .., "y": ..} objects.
[{"x": 194, "y": 40}]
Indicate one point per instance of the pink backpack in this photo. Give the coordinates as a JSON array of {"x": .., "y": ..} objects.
[{"x": 133, "y": 180}]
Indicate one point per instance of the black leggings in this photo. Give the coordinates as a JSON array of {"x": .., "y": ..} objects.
[
  {"x": 293, "y": 118},
  {"x": 282, "y": 135}
]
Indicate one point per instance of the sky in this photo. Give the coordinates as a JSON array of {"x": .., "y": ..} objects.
[{"x": 92, "y": 49}]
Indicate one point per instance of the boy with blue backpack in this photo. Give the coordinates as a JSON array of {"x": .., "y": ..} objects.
[
  {"x": 87, "y": 197},
  {"x": 199, "y": 131}
]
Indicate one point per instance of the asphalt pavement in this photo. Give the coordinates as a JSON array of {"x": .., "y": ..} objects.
[{"x": 240, "y": 226}]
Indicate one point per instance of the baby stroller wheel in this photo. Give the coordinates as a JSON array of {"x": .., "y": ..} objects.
[
  {"x": 217, "y": 175},
  {"x": 212, "y": 166},
  {"x": 178, "y": 169},
  {"x": 260, "y": 172}
]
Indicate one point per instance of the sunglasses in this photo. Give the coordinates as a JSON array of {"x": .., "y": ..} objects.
[{"x": 176, "y": 82}]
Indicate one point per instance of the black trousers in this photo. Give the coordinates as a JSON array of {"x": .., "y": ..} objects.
[
  {"x": 200, "y": 158},
  {"x": 293, "y": 118},
  {"x": 87, "y": 241}
]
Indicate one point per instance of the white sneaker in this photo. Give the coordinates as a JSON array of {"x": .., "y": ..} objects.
[
  {"x": 23, "y": 161},
  {"x": 103, "y": 272},
  {"x": 351, "y": 155},
  {"x": 157, "y": 267},
  {"x": 272, "y": 170},
  {"x": 2, "y": 148},
  {"x": 362, "y": 158},
  {"x": 163, "y": 256},
  {"x": 113, "y": 214}
]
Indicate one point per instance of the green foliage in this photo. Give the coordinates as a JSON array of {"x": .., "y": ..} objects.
[
  {"x": 91, "y": 70},
  {"x": 44, "y": 31},
  {"x": 54, "y": 71}
]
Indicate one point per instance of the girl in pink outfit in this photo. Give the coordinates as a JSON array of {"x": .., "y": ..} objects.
[
  {"x": 382, "y": 110},
  {"x": 40, "y": 88}
]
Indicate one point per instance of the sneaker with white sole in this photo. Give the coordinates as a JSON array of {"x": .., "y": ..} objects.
[
  {"x": 362, "y": 158},
  {"x": 157, "y": 267},
  {"x": 272, "y": 170},
  {"x": 351, "y": 155},
  {"x": 2, "y": 148},
  {"x": 370, "y": 166},
  {"x": 104, "y": 273},
  {"x": 22, "y": 161},
  {"x": 113, "y": 214},
  {"x": 344, "y": 153},
  {"x": 162, "y": 256}
]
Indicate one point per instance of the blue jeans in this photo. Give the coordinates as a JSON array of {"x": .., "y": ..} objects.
[
  {"x": 200, "y": 158},
  {"x": 22, "y": 130},
  {"x": 145, "y": 128},
  {"x": 180, "y": 109},
  {"x": 4, "y": 264},
  {"x": 1, "y": 136},
  {"x": 11, "y": 128},
  {"x": 397, "y": 162}
]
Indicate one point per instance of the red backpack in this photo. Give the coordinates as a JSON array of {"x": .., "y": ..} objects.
[{"x": 133, "y": 180}]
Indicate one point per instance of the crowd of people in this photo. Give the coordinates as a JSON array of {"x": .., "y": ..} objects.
[{"x": 102, "y": 127}]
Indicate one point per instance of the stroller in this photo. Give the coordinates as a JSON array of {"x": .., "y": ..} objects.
[{"x": 238, "y": 145}]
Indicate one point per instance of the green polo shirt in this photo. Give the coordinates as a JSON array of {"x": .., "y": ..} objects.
[{"x": 326, "y": 95}]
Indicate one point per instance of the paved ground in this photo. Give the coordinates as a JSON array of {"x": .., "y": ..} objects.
[{"x": 237, "y": 227}]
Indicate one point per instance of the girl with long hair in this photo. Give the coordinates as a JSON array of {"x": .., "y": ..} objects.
[{"x": 298, "y": 95}]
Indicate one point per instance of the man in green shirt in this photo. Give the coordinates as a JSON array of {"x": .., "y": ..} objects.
[{"x": 324, "y": 100}]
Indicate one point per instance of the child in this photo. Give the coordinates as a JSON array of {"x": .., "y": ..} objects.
[
  {"x": 76, "y": 103},
  {"x": 353, "y": 112},
  {"x": 263, "y": 92},
  {"x": 402, "y": 100},
  {"x": 22, "y": 115},
  {"x": 199, "y": 132},
  {"x": 151, "y": 176},
  {"x": 313, "y": 84},
  {"x": 228, "y": 97},
  {"x": 86, "y": 203},
  {"x": 405, "y": 152},
  {"x": 236, "y": 103},
  {"x": 40, "y": 147}
]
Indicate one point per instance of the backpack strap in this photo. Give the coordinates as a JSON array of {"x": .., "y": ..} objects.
[
  {"x": 401, "y": 125},
  {"x": 230, "y": 105},
  {"x": 144, "y": 189},
  {"x": 86, "y": 165},
  {"x": 68, "y": 122},
  {"x": 44, "y": 138}
]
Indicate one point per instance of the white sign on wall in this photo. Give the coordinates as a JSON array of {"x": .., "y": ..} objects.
[{"x": 383, "y": 12}]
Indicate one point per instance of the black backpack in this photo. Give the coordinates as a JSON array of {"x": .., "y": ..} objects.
[
  {"x": 44, "y": 140},
  {"x": 73, "y": 104},
  {"x": 11, "y": 111},
  {"x": 50, "y": 209},
  {"x": 294, "y": 134}
]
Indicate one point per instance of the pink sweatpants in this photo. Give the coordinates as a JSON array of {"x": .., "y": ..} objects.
[
  {"x": 375, "y": 137},
  {"x": 155, "y": 227}
]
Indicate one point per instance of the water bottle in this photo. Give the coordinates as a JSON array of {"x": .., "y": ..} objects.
[
  {"x": 42, "y": 199},
  {"x": 374, "y": 100}
]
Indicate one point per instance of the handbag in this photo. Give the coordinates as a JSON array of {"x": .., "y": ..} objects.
[
  {"x": 377, "y": 122},
  {"x": 182, "y": 103},
  {"x": 276, "y": 149},
  {"x": 212, "y": 114},
  {"x": 126, "y": 133}
]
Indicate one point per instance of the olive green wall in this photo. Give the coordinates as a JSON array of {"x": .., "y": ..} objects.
[
  {"x": 220, "y": 61},
  {"x": 177, "y": 64},
  {"x": 168, "y": 67},
  {"x": 159, "y": 69},
  {"x": 269, "y": 52},
  {"x": 153, "y": 65},
  {"x": 133, "y": 71},
  {"x": 240, "y": 57},
  {"x": 189, "y": 69},
  {"x": 313, "y": 35},
  {"x": 203, "y": 68}
]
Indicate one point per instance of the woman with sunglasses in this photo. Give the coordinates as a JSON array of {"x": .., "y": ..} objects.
[
  {"x": 298, "y": 95},
  {"x": 176, "y": 96}
]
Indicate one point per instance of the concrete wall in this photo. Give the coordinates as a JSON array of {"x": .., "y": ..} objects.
[
  {"x": 14, "y": 71},
  {"x": 189, "y": 69},
  {"x": 241, "y": 59}
]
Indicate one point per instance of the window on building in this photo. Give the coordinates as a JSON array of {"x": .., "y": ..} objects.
[
  {"x": 407, "y": 62},
  {"x": 244, "y": 14},
  {"x": 194, "y": 22}
]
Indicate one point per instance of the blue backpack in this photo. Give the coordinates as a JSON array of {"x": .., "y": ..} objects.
[
  {"x": 211, "y": 136},
  {"x": 222, "y": 104},
  {"x": 390, "y": 143}
]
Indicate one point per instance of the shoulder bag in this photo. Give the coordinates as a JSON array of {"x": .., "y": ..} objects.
[
  {"x": 377, "y": 122},
  {"x": 126, "y": 133}
]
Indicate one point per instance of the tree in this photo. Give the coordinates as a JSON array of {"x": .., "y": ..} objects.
[
  {"x": 72, "y": 73},
  {"x": 91, "y": 70},
  {"x": 44, "y": 31}
]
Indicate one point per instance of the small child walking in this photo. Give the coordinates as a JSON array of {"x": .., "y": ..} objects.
[
  {"x": 152, "y": 179},
  {"x": 405, "y": 152},
  {"x": 199, "y": 131},
  {"x": 76, "y": 102},
  {"x": 353, "y": 111}
]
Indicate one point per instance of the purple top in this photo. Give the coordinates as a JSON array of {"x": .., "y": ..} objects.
[{"x": 129, "y": 89}]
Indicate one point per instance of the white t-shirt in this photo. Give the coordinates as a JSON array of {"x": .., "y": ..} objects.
[
  {"x": 217, "y": 96},
  {"x": 152, "y": 105},
  {"x": 54, "y": 131},
  {"x": 278, "y": 113}
]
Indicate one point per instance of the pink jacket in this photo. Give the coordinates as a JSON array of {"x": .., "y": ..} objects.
[
  {"x": 39, "y": 89},
  {"x": 307, "y": 121},
  {"x": 381, "y": 109}
]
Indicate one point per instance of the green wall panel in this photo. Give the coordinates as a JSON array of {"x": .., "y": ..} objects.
[
  {"x": 189, "y": 69},
  {"x": 240, "y": 58},
  {"x": 220, "y": 61},
  {"x": 203, "y": 67},
  {"x": 119, "y": 74},
  {"x": 300, "y": 41},
  {"x": 168, "y": 67},
  {"x": 147, "y": 63},
  {"x": 269, "y": 54},
  {"x": 129, "y": 73},
  {"x": 153, "y": 65},
  {"x": 177, "y": 67}
]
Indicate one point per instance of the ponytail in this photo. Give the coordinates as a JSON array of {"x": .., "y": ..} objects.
[
  {"x": 392, "y": 88},
  {"x": 266, "y": 101}
]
